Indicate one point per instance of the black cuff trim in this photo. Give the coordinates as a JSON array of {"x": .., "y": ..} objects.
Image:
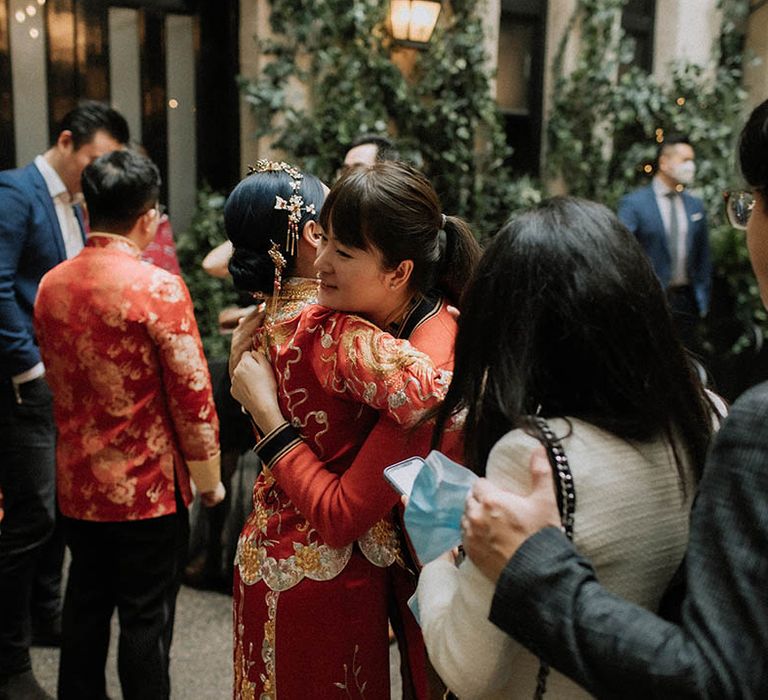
[{"x": 277, "y": 443}]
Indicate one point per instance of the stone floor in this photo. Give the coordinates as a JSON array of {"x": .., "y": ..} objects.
[
  {"x": 201, "y": 655},
  {"x": 201, "y": 664}
]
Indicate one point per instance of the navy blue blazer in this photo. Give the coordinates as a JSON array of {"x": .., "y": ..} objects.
[
  {"x": 31, "y": 243},
  {"x": 640, "y": 213}
]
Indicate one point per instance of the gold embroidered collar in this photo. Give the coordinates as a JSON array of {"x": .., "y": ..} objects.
[
  {"x": 299, "y": 289},
  {"x": 102, "y": 239},
  {"x": 295, "y": 294}
]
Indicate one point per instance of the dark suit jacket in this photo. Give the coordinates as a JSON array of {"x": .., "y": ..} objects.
[
  {"x": 30, "y": 244},
  {"x": 549, "y": 599},
  {"x": 639, "y": 212}
]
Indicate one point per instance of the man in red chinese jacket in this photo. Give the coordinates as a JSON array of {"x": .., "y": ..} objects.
[{"x": 135, "y": 416}]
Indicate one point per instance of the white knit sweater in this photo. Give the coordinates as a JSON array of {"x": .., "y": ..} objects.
[{"x": 631, "y": 521}]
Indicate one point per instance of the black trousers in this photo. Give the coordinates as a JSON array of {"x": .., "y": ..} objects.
[
  {"x": 134, "y": 567},
  {"x": 685, "y": 315},
  {"x": 27, "y": 478}
]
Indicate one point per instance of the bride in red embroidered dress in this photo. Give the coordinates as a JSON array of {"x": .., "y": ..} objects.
[{"x": 311, "y": 581}]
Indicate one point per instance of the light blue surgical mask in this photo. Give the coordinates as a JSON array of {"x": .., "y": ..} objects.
[
  {"x": 435, "y": 506},
  {"x": 685, "y": 172}
]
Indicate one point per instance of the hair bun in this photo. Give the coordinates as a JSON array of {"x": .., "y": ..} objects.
[{"x": 251, "y": 271}]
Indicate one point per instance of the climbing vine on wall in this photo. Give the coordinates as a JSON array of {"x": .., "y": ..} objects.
[
  {"x": 209, "y": 294},
  {"x": 338, "y": 54}
]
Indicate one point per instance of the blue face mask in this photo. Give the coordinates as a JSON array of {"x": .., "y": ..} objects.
[{"x": 435, "y": 506}]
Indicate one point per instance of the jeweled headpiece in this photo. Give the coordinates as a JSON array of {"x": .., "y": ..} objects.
[{"x": 294, "y": 205}]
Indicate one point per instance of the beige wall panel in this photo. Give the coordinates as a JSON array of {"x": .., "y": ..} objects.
[
  {"x": 559, "y": 13},
  {"x": 125, "y": 67},
  {"x": 490, "y": 14},
  {"x": 254, "y": 22},
  {"x": 29, "y": 77},
  {"x": 756, "y": 77},
  {"x": 685, "y": 29}
]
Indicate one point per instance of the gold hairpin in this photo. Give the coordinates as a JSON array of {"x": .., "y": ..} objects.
[{"x": 294, "y": 205}]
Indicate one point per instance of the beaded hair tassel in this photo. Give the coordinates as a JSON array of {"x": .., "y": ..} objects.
[{"x": 280, "y": 264}]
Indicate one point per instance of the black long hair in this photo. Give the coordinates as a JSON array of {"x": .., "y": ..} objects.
[
  {"x": 252, "y": 223},
  {"x": 565, "y": 317},
  {"x": 392, "y": 207}
]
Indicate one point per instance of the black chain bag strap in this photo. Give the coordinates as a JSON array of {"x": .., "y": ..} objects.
[{"x": 566, "y": 504}]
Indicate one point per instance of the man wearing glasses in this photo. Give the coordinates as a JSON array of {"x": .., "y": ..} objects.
[
  {"x": 134, "y": 409},
  {"x": 670, "y": 225}
]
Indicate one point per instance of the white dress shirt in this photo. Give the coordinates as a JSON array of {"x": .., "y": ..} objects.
[
  {"x": 679, "y": 276},
  {"x": 63, "y": 202}
]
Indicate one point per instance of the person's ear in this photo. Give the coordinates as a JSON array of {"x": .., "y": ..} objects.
[
  {"x": 311, "y": 233},
  {"x": 400, "y": 276},
  {"x": 663, "y": 161},
  {"x": 65, "y": 141},
  {"x": 148, "y": 218}
]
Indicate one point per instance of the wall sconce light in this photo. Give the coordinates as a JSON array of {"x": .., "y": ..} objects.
[{"x": 413, "y": 21}]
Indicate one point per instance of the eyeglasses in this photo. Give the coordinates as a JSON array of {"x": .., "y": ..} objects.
[
  {"x": 738, "y": 207},
  {"x": 161, "y": 210}
]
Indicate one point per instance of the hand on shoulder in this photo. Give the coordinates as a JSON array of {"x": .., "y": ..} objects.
[{"x": 496, "y": 522}]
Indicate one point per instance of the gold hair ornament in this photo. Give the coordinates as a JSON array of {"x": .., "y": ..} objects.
[
  {"x": 280, "y": 263},
  {"x": 294, "y": 205}
]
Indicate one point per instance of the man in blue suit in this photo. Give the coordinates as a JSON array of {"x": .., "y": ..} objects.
[
  {"x": 671, "y": 226},
  {"x": 40, "y": 226}
]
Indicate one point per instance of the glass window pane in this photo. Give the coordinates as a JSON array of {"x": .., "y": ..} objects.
[
  {"x": 30, "y": 79},
  {"x": 124, "y": 66},
  {"x": 181, "y": 108}
]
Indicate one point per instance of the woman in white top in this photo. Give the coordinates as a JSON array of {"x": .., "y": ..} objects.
[{"x": 564, "y": 318}]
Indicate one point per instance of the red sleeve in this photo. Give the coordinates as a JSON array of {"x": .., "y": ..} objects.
[
  {"x": 343, "y": 507},
  {"x": 171, "y": 325},
  {"x": 352, "y": 356}
]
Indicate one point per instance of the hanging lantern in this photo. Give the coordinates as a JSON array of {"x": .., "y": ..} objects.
[{"x": 413, "y": 21}]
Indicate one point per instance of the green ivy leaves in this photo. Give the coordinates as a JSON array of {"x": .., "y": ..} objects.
[
  {"x": 209, "y": 295},
  {"x": 605, "y": 118},
  {"x": 442, "y": 114}
]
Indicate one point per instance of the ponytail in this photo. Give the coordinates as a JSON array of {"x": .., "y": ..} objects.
[
  {"x": 393, "y": 208},
  {"x": 458, "y": 260}
]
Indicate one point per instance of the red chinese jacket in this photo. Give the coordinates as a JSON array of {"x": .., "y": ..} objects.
[{"x": 132, "y": 394}]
